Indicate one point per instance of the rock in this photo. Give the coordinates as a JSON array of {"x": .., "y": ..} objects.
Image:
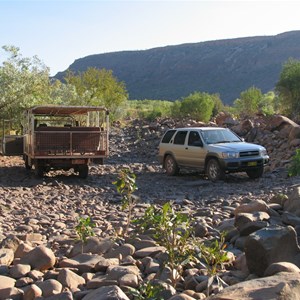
[
  {"x": 283, "y": 286},
  {"x": 181, "y": 297},
  {"x": 19, "y": 270},
  {"x": 150, "y": 251},
  {"x": 121, "y": 251},
  {"x": 115, "y": 272},
  {"x": 131, "y": 280},
  {"x": 92, "y": 245},
  {"x": 6, "y": 256},
  {"x": 292, "y": 204},
  {"x": 50, "y": 287},
  {"x": 40, "y": 258},
  {"x": 252, "y": 207},
  {"x": 6, "y": 282},
  {"x": 269, "y": 245},
  {"x": 83, "y": 262},
  {"x": 32, "y": 292},
  {"x": 281, "y": 267},
  {"x": 11, "y": 293},
  {"x": 70, "y": 279},
  {"x": 106, "y": 293}
]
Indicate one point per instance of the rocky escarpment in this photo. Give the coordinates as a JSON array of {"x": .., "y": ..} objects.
[{"x": 41, "y": 257}]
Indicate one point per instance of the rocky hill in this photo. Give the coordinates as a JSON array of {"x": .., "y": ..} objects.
[{"x": 227, "y": 67}]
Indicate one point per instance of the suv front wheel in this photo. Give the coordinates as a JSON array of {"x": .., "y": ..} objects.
[
  {"x": 171, "y": 166},
  {"x": 214, "y": 170}
]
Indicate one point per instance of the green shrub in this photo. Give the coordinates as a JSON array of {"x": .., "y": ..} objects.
[
  {"x": 126, "y": 186},
  {"x": 294, "y": 168},
  {"x": 173, "y": 230}
]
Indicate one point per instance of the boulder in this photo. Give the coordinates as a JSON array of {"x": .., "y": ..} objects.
[
  {"x": 292, "y": 204},
  {"x": 270, "y": 245},
  {"x": 282, "y": 286},
  {"x": 112, "y": 292},
  {"x": 40, "y": 258}
]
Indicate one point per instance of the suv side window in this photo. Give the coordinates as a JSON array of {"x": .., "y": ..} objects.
[
  {"x": 180, "y": 137},
  {"x": 194, "y": 139},
  {"x": 167, "y": 137}
]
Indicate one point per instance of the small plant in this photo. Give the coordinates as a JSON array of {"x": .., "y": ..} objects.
[
  {"x": 84, "y": 229},
  {"x": 294, "y": 168},
  {"x": 126, "y": 186},
  {"x": 215, "y": 258},
  {"x": 146, "y": 291},
  {"x": 173, "y": 231}
]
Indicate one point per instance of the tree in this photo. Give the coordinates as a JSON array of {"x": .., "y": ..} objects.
[
  {"x": 248, "y": 103},
  {"x": 267, "y": 105},
  {"x": 24, "y": 82},
  {"x": 288, "y": 88},
  {"x": 198, "y": 106},
  {"x": 98, "y": 87}
]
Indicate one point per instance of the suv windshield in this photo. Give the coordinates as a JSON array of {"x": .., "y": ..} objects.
[{"x": 219, "y": 136}]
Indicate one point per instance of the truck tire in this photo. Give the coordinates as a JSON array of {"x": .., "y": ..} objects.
[
  {"x": 83, "y": 171},
  {"x": 39, "y": 171},
  {"x": 27, "y": 166}
]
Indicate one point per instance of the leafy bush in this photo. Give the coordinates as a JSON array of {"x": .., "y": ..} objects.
[
  {"x": 198, "y": 106},
  {"x": 173, "y": 231},
  {"x": 84, "y": 229},
  {"x": 294, "y": 168},
  {"x": 126, "y": 186}
]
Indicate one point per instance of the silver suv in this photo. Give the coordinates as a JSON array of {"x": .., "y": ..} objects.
[{"x": 215, "y": 151}]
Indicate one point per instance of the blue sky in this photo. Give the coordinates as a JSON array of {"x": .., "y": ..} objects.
[{"x": 59, "y": 32}]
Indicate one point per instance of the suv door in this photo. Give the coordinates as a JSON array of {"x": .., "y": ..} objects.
[
  {"x": 195, "y": 152},
  {"x": 178, "y": 147}
]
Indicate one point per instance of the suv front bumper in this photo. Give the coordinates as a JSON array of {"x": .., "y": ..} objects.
[{"x": 238, "y": 164}]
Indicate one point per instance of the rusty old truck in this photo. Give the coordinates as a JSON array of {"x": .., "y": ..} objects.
[{"x": 65, "y": 137}]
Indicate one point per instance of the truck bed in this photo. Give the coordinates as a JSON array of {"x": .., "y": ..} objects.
[{"x": 69, "y": 141}]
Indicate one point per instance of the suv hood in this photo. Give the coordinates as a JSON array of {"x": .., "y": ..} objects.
[{"x": 234, "y": 147}]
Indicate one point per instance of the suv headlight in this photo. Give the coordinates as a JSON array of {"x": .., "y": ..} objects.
[
  {"x": 263, "y": 152},
  {"x": 230, "y": 154}
]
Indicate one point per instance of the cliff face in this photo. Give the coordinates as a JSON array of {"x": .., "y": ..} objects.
[{"x": 226, "y": 67}]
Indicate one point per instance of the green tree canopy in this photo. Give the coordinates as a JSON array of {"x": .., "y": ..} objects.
[
  {"x": 24, "y": 82},
  {"x": 288, "y": 88},
  {"x": 98, "y": 87},
  {"x": 248, "y": 103},
  {"x": 198, "y": 106}
]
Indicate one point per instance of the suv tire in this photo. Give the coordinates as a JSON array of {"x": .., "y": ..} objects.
[
  {"x": 214, "y": 170},
  {"x": 171, "y": 166},
  {"x": 255, "y": 173}
]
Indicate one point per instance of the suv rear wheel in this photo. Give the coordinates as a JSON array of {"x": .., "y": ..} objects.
[
  {"x": 214, "y": 170},
  {"x": 171, "y": 166}
]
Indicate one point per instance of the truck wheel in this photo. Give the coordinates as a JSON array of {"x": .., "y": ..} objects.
[
  {"x": 171, "y": 166},
  {"x": 255, "y": 173},
  {"x": 214, "y": 170},
  {"x": 27, "y": 166},
  {"x": 39, "y": 171},
  {"x": 83, "y": 171}
]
